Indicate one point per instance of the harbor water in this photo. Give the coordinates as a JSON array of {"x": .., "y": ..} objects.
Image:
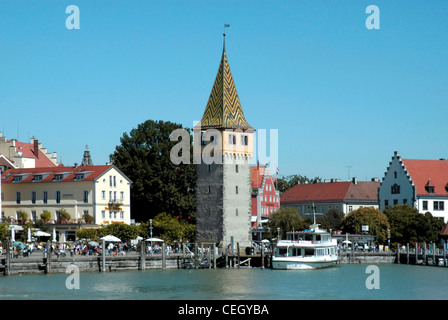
[{"x": 342, "y": 282}]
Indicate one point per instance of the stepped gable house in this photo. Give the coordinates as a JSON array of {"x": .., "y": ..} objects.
[{"x": 422, "y": 184}]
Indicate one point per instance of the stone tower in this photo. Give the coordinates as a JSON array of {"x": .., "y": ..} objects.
[
  {"x": 223, "y": 174},
  {"x": 86, "y": 159}
]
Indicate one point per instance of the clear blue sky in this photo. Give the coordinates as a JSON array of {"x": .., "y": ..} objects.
[{"x": 339, "y": 94}]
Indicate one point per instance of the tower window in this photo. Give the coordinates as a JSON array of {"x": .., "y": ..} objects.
[
  {"x": 236, "y": 189},
  {"x": 232, "y": 139},
  {"x": 245, "y": 140},
  {"x": 395, "y": 189}
]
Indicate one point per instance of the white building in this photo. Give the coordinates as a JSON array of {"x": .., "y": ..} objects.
[{"x": 422, "y": 184}]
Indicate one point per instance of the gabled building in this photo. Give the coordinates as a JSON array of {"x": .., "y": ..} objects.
[
  {"x": 345, "y": 196},
  {"x": 102, "y": 192},
  {"x": 16, "y": 154},
  {"x": 265, "y": 196},
  {"x": 422, "y": 184}
]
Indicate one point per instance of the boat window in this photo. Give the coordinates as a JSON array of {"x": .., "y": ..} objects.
[
  {"x": 309, "y": 252},
  {"x": 281, "y": 251}
]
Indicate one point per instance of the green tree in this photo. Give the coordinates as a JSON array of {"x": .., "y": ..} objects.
[
  {"x": 286, "y": 183},
  {"x": 22, "y": 216},
  {"x": 87, "y": 233},
  {"x": 46, "y": 215},
  {"x": 123, "y": 231},
  {"x": 287, "y": 219},
  {"x": 374, "y": 218},
  {"x": 170, "y": 228},
  {"x": 407, "y": 225},
  {"x": 158, "y": 184},
  {"x": 64, "y": 215},
  {"x": 332, "y": 219}
]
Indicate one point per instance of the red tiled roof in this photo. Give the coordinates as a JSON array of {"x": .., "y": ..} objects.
[
  {"x": 27, "y": 149},
  {"x": 48, "y": 174},
  {"x": 257, "y": 179},
  {"x": 428, "y": 173},
  {"x": 331, "y": 191}
]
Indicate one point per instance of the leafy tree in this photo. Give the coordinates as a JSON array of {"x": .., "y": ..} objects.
[
  {"x": 407, "y": 225},
  {"x": 87, "y": 233},
  {"x": 123, "y": 231},
  {"x": 4, "y": 231},
  {"x": 158, "y": 184},
  {"x": 332, "y": 219},
  {"x": 286, "y": 183},
  {"x": 64, "y": 215},
  {"x": 374, "y": 218},
  {"x": 287, "y": 219},
  {"x": 22, "y": 216},
  {"x": 170, "y": 228}
]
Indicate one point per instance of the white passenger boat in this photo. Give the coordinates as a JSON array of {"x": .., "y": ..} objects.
[{"x": 308, "y": 249}]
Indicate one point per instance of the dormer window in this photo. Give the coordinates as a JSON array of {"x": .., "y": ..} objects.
[
  {"x": 37, "y": 178},
  {"x": 17, "y": 178},
  {"x": 57, "y": 177},
  {"x": 79, "y": 176},
  {"x": 429, "y": 187}
]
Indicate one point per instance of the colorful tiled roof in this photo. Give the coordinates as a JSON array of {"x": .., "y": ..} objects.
[
  {"x": 432, "y": 173},
  {"x": 27, "y": 151},
  {"x": 332, "y": 191},
  {"x": 223, "y": 110}
]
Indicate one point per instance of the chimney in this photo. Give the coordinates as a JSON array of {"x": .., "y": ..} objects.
[
  {"x": 36, "y": 148},
  {"x": 355, "y": 181}
]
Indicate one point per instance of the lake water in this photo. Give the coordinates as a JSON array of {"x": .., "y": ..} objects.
[{"x": 343, "y": 282}]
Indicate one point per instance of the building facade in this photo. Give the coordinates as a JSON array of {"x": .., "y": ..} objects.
[
  {"x": 223, "y": 189},
  {"x": 265, "y": 196},
  {"x": 321, "y": 197},
  {"x": 99, "y": 192},
  {"x": 422, "y": 184}
]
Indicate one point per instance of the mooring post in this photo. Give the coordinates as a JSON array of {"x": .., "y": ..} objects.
[
  {"x": 434, "y": 254},
  {"x": 398, "y": 253},
  {"x": 103, "y": 255},
  {"x": 196, "y": 257},
  {"x": 416, "y": 253},
  {"x": 142, "y": 256},
  {"x": 48, "y": 264},
  {"x": 227, "y": 257},
  {"x": 214, "y": 256},
  {"x": 262, "y": 255},
  {"x": 424, "y": 253},
  {"x": 444, "y": 255},
  {"x": 407, "y": 253},
  {"x": 163, "y": 257},
  {"x": 238, "y": 250},
  {"x": 8, "y": 258}
]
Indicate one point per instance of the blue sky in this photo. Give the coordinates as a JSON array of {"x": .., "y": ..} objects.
[{"x": 339, "y": 94}]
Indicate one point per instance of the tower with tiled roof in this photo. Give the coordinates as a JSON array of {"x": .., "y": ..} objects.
[{"x": 223, "y": 174}]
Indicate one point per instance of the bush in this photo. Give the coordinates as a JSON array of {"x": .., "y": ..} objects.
[{"x": 46, "y": 215}]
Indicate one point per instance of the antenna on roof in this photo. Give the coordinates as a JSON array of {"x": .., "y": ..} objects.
[{"x": 348, "y": 169}]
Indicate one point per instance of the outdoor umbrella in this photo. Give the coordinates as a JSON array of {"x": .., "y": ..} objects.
[
  {"x": 111, "y": 238},
  {"x": 18, "y": 244},
  {"x": 155, "y": 240},
  {"x": 94, "y": 243},
  {"x": 41, "y": 234}
]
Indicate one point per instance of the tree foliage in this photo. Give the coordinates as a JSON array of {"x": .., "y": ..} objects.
[
  {"x": 374, "y": 218},
  {"x": 332, "y": 219},
  {"x": 407, "y": 225},
  {"x": 287, "y": 219},
  {"x": 158, "y": 184},
  {"x": 286, "y": 183},
  {"x": 170, "y": 228},
  {"x": 123, "y": 231}
]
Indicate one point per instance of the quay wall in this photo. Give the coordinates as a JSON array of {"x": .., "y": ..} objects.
[{"x": 367, "y": 257}]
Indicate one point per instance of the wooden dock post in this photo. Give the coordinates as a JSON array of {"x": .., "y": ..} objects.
[
  {"x": 434, "y": 254},
  {"x": 238, "y": 250},
  {"x": 196, "y": 257},
  {"x": 416, "y": 253},
  {"x": 163, "y": 256},
  {"x": 214, "y": 256},
  {"x": 398, "y": 253},
  {"x": 424, "y": 253},
  {"x": 48, "y": 262},
  {"x": 227, "y": 257},
  {"x": 8, "y": 258},
  {"x": 142, "y": 256},
  {"x": 262, "y": 256},
  {"x": 444, "y": 255},
  {"x": 103, "y": 256},
  {"x": 407, "y": 253}
]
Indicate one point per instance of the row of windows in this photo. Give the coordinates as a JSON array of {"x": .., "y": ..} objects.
[
  {"x": 112, "y": 195},
  {"x": 45, "y": 197},
  {"x": 112, "y": 215},
  {"x": 34, "y": 216},
  {"x": 436, "y": 205}
]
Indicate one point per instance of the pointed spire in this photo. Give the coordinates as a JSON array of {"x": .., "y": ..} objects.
[{"x": 223, "y": 110}]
